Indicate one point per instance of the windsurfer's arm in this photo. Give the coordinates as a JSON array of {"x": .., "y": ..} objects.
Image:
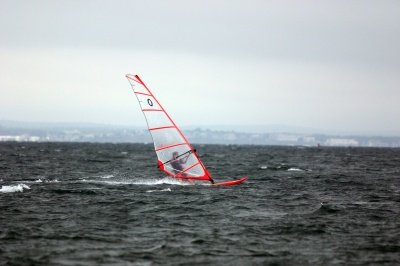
[{"x": 184, "y": 160}]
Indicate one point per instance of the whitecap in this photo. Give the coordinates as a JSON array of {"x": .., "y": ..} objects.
[
  {"x": 165, "y": 180},
  {"x": 45, "y": 181},
  {"x": 360, "y": 202},
  {"x": 14, "y": 188},
  {"x": 161, "y": 190},
  {"x": 295, "y": 169},
  {"x": 107, "y": 176}
]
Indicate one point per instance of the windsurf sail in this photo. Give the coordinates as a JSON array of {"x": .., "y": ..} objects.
[{"x": 176, "y": 156}]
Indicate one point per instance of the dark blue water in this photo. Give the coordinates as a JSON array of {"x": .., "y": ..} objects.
[{"x": 107, "y": 204}]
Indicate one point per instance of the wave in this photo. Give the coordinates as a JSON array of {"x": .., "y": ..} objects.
[
  {"x": 161, "y": 190},
  {"x": 165, "y": 180},
  {"x": 14, "y": 188},
  {"x": 326, "y": 209},
  {"x": 278, "y": 167},
  {"x": 294, "y": 169},
  {"x": 45, "y": 181},
  {"x": 147, "y": 182},
  {"x": 106, "y": 176},
  {"x": 282, "y": 167},
  {"x": 40, "y": 180}
]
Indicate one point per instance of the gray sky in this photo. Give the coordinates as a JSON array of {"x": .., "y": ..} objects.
[{"x": 328, "y": 65}]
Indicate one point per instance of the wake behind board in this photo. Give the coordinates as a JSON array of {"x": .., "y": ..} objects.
[{"x": 176, "y": 156}]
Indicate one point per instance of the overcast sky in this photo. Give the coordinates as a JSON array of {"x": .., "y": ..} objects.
[{"x": 327, "y": 65}]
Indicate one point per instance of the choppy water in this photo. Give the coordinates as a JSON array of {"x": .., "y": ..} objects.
[{"x": 107, "y": 204}]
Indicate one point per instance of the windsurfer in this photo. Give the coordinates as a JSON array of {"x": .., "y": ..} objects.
[{"x": 177, "y": 164}]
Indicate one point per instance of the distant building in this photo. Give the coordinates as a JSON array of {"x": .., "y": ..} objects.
[{"x": 341, "y": 142}]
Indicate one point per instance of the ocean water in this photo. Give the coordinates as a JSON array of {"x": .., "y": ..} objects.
[{"x": 107, "y": 204}]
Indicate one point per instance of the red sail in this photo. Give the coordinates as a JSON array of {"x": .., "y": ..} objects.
[{"x": 176, "y": 157}]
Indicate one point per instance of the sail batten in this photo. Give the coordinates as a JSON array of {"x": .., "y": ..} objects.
[
  {"x": 170, "y": 146},
  {"x": 143, "y": 93},
  {"x": 160, "y": 128},
  {"x": 152, "y": 110},
  {"x": 176, "y": 156}
]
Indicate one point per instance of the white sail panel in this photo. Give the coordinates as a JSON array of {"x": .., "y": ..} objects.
[
  {"x": 157, "y": 119},
  {"x": 196, "y": 171},
  {"x": 166, "y": 137}
]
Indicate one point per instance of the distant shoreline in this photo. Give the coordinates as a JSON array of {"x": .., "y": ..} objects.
[{"x": 120, "y": 134}]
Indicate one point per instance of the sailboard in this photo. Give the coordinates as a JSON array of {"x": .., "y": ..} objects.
[{"x": 176, "y": 156}]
